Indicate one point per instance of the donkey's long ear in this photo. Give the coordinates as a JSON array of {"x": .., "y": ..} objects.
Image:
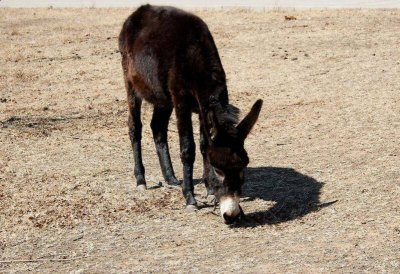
[
  {"x": 213, "y": 125},
  {"x": 248, "y": 122}
]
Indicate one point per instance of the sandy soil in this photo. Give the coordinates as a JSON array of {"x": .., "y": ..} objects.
[{"x": 323, "y": 186}]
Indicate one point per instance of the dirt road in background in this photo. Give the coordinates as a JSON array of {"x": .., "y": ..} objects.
[{"x": 329, "y": 131}]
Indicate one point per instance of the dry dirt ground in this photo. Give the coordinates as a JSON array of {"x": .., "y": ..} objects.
[{"x": 323, "y": 186}]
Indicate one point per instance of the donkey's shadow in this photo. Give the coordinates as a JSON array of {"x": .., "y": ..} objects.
[{"x": 293, "y": 194}]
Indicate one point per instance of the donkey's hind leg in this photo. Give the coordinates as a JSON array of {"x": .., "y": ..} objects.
[
  {"x": 135, "y": 134},
  {"x": 159, "y": 126}
]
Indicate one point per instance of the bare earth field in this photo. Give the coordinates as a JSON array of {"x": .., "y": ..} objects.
[{"x": 323, "y": 185}]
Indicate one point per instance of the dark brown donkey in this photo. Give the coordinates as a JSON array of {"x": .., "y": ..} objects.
[{"x": 169, "y": 59}]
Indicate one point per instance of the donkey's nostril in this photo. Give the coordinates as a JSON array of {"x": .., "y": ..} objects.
[{"x": 229, "y": 219}]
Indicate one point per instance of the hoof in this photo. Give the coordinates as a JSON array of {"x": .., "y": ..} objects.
[
  {"x": 172, "y": 182},
  {"x": 191, "y": 208},
  {"x": 141, "y": 188}
]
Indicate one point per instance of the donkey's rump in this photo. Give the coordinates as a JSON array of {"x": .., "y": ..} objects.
[{"x": 143, "y": 73}]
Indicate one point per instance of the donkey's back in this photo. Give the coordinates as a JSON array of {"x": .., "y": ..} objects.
[{"x": 167, "y": 50}]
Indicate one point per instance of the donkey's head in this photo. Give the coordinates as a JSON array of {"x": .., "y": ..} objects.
[{"x": 227, "y": 154}]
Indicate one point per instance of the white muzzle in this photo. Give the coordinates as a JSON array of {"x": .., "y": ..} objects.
[{"x": 229, "y": 206}]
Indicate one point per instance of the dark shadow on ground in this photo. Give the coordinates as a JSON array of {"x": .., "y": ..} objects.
[{"x": 294, "y": 194}]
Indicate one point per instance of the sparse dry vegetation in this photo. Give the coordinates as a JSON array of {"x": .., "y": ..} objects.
[{"x": 323, "y": 187}]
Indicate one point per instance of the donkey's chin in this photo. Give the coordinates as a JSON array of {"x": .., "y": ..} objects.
[{"x": 230, "y": 209}]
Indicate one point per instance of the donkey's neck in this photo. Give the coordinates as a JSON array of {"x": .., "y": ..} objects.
[{"x": 218, "y": 117}]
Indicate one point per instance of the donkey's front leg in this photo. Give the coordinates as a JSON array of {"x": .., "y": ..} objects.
[
  {"x": 187, "y": 146},
  {"x": 208, "y": 172}
]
